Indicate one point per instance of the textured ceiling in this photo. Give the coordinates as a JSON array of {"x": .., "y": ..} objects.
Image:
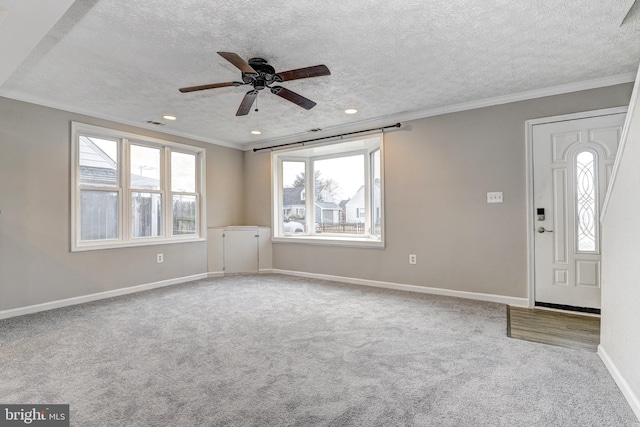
[{"x": 125, "y": 60}]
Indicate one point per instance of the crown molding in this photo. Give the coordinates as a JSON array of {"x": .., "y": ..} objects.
[
  {"x": 454, "y": 108},
  {"x": 93, "y": 114},
  {"x": 353, "y": 126}
]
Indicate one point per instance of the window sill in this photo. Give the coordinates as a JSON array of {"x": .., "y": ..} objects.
[
  {"x": 353, "y": 242},
  {"x": 133, "y": 244}
]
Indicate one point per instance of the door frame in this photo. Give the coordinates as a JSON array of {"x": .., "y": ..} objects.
[{"x": 529, "y": 183}]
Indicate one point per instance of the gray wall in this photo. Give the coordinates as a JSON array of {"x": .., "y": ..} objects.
[
  {"x": 438, "y": 171},
  {"x": 619, "y": 338},
  {"x": 36, "y": 265}
]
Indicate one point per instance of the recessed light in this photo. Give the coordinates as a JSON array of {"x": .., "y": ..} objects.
[
  {"x": 350, "y": 111},
  {"x": 169, "y": 117},
  {"x": 256, "y": 132}
]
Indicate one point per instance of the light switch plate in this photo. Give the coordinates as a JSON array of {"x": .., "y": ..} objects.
[{"x": 494, "y": 197}]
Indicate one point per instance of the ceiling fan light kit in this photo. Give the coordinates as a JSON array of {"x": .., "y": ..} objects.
[{"x": 260, "y": 75}]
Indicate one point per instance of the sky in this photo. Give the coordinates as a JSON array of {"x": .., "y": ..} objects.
[{"x": 348, "y": 172}]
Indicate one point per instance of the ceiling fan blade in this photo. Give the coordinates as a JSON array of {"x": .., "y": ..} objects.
[
  {"x": 303, "y": 73},
  {"x": 240, "y": 63},
  {"x": 247, "y": 102},
  {"x": 289, "y": 95},
  {"x": 205, "y": 87}
]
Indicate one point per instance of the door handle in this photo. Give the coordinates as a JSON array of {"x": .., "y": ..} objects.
[{"x": 543, "y": 230}]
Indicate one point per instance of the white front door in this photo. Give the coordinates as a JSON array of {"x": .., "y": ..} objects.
[{"x": 572, "y": 162}]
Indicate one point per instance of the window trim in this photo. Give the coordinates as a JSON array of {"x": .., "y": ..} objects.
[
  {"x": 125, "y": 237},
  {"x": 369, "y": 240}
]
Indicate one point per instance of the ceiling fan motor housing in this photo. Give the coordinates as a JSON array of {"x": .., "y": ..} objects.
[
  {"x": 261, "y": 66},
  {"x": 264, "y": 76}
]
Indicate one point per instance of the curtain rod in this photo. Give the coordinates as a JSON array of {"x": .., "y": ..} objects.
[{"x": 397, "y": 125}]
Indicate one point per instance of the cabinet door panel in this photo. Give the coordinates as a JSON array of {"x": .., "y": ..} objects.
[
  {"x": 215, "y": 250},
  {"x": 240, "y": 251}
]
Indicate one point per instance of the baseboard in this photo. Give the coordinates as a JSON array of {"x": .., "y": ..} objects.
[
  {"x": 514, "y": 301},
  {"x": 627, "y": 392},
  {"x": 5, "y": 314}
]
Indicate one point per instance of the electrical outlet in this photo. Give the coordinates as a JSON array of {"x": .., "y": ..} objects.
[
  {"x": 160, "y": 257},
  {"x": 413, "y": 259},
  {"x": 494, "y": 197}
]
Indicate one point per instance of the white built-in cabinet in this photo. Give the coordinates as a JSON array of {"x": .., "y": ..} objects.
[{"x": 239, "y": 249}]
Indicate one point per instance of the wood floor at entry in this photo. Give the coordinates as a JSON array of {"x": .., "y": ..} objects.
[{"x": 553, "y": 327}]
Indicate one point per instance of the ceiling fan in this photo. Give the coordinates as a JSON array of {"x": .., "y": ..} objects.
[{"x": 259, "y": 74}]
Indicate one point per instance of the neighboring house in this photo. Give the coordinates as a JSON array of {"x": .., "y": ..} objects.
[
  {"x": 323, "y": 194},
  {"x": 343, "y": 210},
  {"x": 327, "y": 213},
  {"x": 294, "y": 205},
  {"x": 293, "y": 202},
  {"x": 98, "y": 169},
  {"x": 354, "y": 208}
]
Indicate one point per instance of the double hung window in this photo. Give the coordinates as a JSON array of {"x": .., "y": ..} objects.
[{"x": 131, "y": 190}]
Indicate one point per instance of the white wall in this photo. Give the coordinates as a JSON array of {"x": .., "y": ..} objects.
[{"x": 620, "y": 329}]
